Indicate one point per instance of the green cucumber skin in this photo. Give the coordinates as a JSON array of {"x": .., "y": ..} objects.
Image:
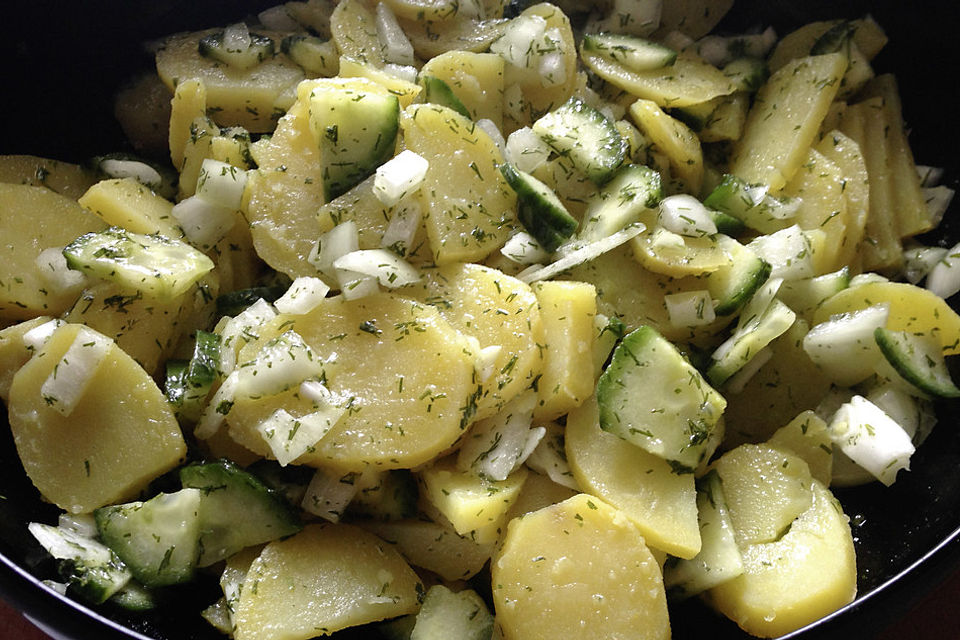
[
  {"x": 586, "y": 136},
  {"x": 439, "y": 92},
  {"x": 541, "y": 214},
  {"x": 934, "y": 382}
]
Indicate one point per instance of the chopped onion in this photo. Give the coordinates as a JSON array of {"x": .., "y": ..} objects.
[
  {"x": 495, "y": 447},
  {"x": 582, "y": 254},
  {"x": 67, "y": 383},
  {"x": 221, "y": 183},
  {"x": 394, "y": 42},
  {"x": 339, "y": 241},
  {"x": 236, "y": 38},
  {"x": 489, "y": 127},
  {"x": 523, "y": 248},
  {"x": 290, "y": 437},
  {"x": 328, "y": 494},
  {"x": 277, "y": 19},
  {"x": 738, "y": 381},
  {"x": 869, "y": 437},
  {"x": 283, "y": 362},
  {"x": 399, "y": 177},
  {"x": 550, "y": 458},
  {"x": 788, "y": 251},
  {"x": 242, "y": 328},
  {"x": 690, "y": 308},
  {"x": 938, "y": 201},
  {"x": 203, "y": 222},
  {"x": 59, "y": 277},
  {"x": 216, "y": 411},
  {"x": 944, "y": 276},
  {"x": 139, "y": 171},
  {"x": 526, "y": 150},
  {"x": 389, "y": 269},
  {"x": 685, "y": 215},
  {"x": 303, "y": 296},
  {"x": 919, "y": 260},
  {"x": 518, "y": 42},
  {"x": 355, "y": 285},
  {"x": 402, "y": 71},
  {"x": 35, "y": 338},
  {"x": 402, "y": 229},
  {"x": 844, "y": 347}
]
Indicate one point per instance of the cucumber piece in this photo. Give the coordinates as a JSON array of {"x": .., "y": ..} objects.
[
  {"x": 156, "y": 539},
  {"x": 652, "y": 397},
  {"x": 199, "y": 376},
  {"x": 748, "y": 203},
  {"x": 237, "y": 47},
  {"x": 357, "y": 132},
  {"x": 747, "y": 74},
  {"x": 439, "y": 92},
  {"x": 445, "y": 615},
  {"x": 844, "y": 347},
  {"x": 393, "y": 496},
  {"x": 918, "y": 359},
  {"x": 634, "y": 53},
  {"x": 727, "y": 224},
  {"x": 748, "y": 340},
  {"x": 806, "y": 294},
  {"x": 316, "y": 56},
  {"x": 175, "y": 382},
  {"x": 586, "y": 136},
  {"x": 733, "y": 285},
  {"x": 719, "y": 558},
  {"x": 237, "y": 510},
  {"x": 89, "y": 567},
  {"x": 539, "y": 209},
  {"x": 134, "y": 597},
  {"x": 634, "y": 188},
  {"x": 156, "y": 265},
  {"x": 697, "y": 115},
  {"x": 234, "y": 302}
]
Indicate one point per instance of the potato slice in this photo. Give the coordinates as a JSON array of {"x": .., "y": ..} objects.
[
  {"x": 67, "y": 179},
  {"x": 807, "y": 436},
  {"x": 577, "y": 569},
  {"x": 470, "y": 208},
  {"x": 475, "y": 78},
  {"x": 661, "y": 503},
  {"x": 121, "y": 435},
  {"x": 820, "y": 185},
  {"x": 499, "y": 311},
  {"x": 808, "y": 573},
  {"x": 434, "y": 546},
  {"x": 912, "y": 309},
  {"x": 321, "y": 580},
  {"x": 407, "y": 375},
  {"x": 124, "y": 202},
  {"x": 33, "y": 219}
]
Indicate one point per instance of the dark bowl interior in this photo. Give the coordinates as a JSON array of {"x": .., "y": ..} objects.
[{"x": 61, "y": 63}]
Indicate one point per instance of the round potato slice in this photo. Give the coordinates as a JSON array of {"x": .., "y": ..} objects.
[
  {"x": 323, "y": 579},
  {"x": 120, "y": 435},
  {"x": 578, "y": 569}
]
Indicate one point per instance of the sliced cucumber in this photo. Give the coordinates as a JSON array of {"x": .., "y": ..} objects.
[
  {"x": 237, "y": 510},
  {"x": 439, "y": 92},
  {"x": 539, "y": 209},
  {"x": 188, "y": 388},
  {"x": 316, "y": 56},
  {"x": 634, "y": 53},
  {"x": 727, "y": 224},
  {"x": 156, "y": 539},
  {"x": 175, "y": 382},
  {"x": 747, "y": 74},
  {"x": 747, "y": 341},
  {"x": 806, "y": 294},
  {"x": 89, "y": 567},
  {"x": 234, "y": 302},
  {"x": 134, "y": 597},
  {"x": 731, "y": 286},
  {"x": 156, "y": 265},
  {"x": 586, "y": 136},
  {"x": 237, "y": 47},
  {"x": 919, "y": 360},
  {"x": 748, "y": 203},
  {"x": 652, "y": 397},
  {"x": 844, "y": 347},
  {"x": 392, "y": 496},
  {"x": 633, "y": 188},
  {"x": 357, "y": 132},
  {"x": 719, "y": 559}
]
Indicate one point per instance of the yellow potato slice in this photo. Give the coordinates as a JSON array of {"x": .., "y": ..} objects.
[
  {"x": 661, "y": 503},
  {"x": 808, "y": 573},
  {"x": 70, "y": 180},
  {"x": 470, "y": 209},
  {"x": 321, "y": 580},
  {"x": 33, "y": 219},
  {"x": 497, "y": 310},
  {"x": 912, "y": 309},
  {"x": 121, "y": 435},
  {"x": 434, "y": 546},
  {"x": 475, "y": 78},
  {"x": 575, "y": 570},
  {"x": 407, "y": 375},
  {"x": 124, "y": 202}
]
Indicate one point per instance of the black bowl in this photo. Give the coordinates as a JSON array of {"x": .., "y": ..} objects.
[{"x": 61, "y": 64}]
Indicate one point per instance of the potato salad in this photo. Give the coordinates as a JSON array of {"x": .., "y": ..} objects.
[{"x": 474, "y": 319}]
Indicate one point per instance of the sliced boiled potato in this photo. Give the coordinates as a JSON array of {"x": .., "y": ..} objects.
[
  {"x": 499, "y": 311},
  {"x": 302, "y": 587},
  {"x": 353, "y": 27},
  {"x": 661, "y": 503},
  {"x": 766, "y": 490},
  {"x": 282, "y": 197},
  {"x": 406, "y": 375},
  {"x": 475, "y": 78},
  {"x": 785, "y": 118},
  {"x": 250, "y": 98},
  {"x": 844, "y": 152},
  {"x": 675, "y": 139},
  {"x": 121, "y": 435},
  {"x": 434, "y": 546},
  {"x": 67, "y": 179},
  {"x": 807, "y": 436},
  {"x": 124, "y": 202},
  {"x": 788, "y": 583},
  {"x": 538, "y": 492},
  {"x": 470, "y": 210},
  {"x": 912, "y": 309},
  {"x": 820, "y": 185},
  {"x": 33, "y": 219},
  {"x": 575, "y": 570}
]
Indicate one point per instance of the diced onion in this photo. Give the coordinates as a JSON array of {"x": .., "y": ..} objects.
[
  {"x": 400, "y": 176},
  {"x": 550, "y": 459},
  {"x": 404, "y": 223},
  {"x": 339, "y": 241},
  {"x": 389, "y": 269},
  {"x": 938, "y": 201},
  {"x": 221, "y": 183},
  {"x": 495, "y": 447},
  {"x": 56, "y": 274},
  {"x": 526, "y": 150},
  {"x": 944, "y": 276},
  {"x": 35, "y": 338},
  {"x": 139, "y": 171},
  {"x": 919, "y": 260},
  {"x": 203, "y": 222},
  {"x": 328, "y": 494},
  {"x": 290, "y": 437},
  {"x": 215, "y": 413},
  {"x": 402, "y": 71},
  {"x": 489, "y": 127},
  {"x": 788, "y": 251},
  {"x": 396, "y": 46},
  {"x": 278, "y": 19},
  {"x": 738, "y": 381},
  {"x": 844, "y": 347},
  {"x": 523, "y": 248},
  {"x": 517, "y": 43},
  {"x": 283, "y": 362},
  {"x": 304, "y": 294},
  {"x": 582, "y": 254},
  {"x": 869, "y": 437},
  {"x": 685, "y": 215},
  {"x": 690, "y": 308},
  {"x": 67, "y": 383}
]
